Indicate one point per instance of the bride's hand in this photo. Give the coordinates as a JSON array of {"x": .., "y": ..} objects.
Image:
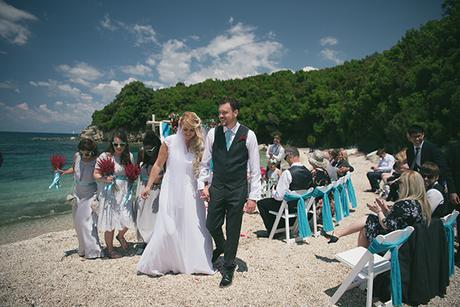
[
  {"x": 204, "y": 194},
  {"x": 145, "y": 193}
]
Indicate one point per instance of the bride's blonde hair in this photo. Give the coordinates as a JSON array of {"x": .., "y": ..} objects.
[{"x": 191, "y": 120}]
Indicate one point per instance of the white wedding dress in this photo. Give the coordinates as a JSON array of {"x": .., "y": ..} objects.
[{"x": 180, "y": 242}]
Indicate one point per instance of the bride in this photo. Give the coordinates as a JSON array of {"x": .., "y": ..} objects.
[{"x": 180, "y": 242}]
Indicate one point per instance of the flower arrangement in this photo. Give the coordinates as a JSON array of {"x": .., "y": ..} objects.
[
  {"x": 57, "y": 163},
  {"x": 106, "y": 166},
  {"x": 174, "y": 119},
  {"x": 132, "y": 171}
]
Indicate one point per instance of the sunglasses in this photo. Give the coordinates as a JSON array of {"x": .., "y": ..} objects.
[
  {"x": 118, "y": 144},
  {"x": 86, "y": 153},
  {"x": 150, "y": 150},
  {"x": 427, "y": 176}
]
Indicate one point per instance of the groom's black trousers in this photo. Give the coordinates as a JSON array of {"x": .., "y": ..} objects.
[{"x": 226, "y": 203}]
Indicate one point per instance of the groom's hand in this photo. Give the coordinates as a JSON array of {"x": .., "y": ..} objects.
[
  {"x": 250, "y": 206},
  {"x": 204, "y": 194}
]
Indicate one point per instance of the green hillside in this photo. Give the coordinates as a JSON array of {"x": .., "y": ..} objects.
[{"x": 366, "y": 103}]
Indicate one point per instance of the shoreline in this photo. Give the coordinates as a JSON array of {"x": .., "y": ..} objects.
[{"x": 25, "y": 230}]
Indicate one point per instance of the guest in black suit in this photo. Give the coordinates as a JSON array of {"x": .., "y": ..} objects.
[
  {"x": 423, "y": 151},
  {"x": 297, "y": 177}
]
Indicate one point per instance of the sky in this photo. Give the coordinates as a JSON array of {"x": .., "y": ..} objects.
[{"x": 62, "y": 60}]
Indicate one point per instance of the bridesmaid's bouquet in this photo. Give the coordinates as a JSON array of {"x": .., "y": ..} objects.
[
  {"x": 132, "y": 172},
  {"x": 106, "y": 167},
  {"x": 57, "y": 163}
]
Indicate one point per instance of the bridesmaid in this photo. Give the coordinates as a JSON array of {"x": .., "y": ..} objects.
[
  {"x": 146, "y": 209},
  {"x": 115, "y": 210},
  {"x": 84, "y": 219}
]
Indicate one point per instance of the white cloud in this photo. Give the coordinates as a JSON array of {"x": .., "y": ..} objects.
[
  {"x": 309, "y": 68},
  {"x": 143, "y": 34},
  {"x": 138, "y": 70},
  {"x": 331, "y": 55},
  {"x": 174, "y": 65},
  {"x": 12, "y": 26},
  {"x": 80, "y": 73},
  {"x": 235, "y": 54},
  {"x": 108, "y": 24},
  {"x": 7, "y": 85},
  {"x": 151, "y": 60},
  {"x": 328, "y": 41},
  {"x": 23, "y": 106},
  {"x": 67, "y": 91},
  {"x": 230, "y": 20},
  {"x": 109, "y": 90}
]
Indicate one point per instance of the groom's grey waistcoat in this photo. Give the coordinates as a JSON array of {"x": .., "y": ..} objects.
[{"x": 230, "y": 167}]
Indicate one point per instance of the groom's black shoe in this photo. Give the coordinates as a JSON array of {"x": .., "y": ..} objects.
[
  {"x": 227, "y": 278},
  {"x": 216, "y": 254}
]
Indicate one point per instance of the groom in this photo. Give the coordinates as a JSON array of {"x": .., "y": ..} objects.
[{"x": 232, "y": 148}]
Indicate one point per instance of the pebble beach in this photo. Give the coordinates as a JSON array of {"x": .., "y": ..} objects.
[{"x": 45, "y": 270}]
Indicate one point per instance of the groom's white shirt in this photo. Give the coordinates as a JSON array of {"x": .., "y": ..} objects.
[{"x": 253, "y": 162}]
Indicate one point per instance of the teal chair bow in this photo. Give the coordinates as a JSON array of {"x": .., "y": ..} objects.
[
  {"x": 326, "y": 214},
  {"x": 339, "y": 214},
  {"x": 302, "y": 219},
  {"x": 449, "y": 222},
  {"x": 351, "y": 191}
]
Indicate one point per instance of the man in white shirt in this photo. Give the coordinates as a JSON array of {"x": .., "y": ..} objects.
[
  {"x": 297, "y": 177},
  {"x": 385, "y": 165},
  {"x": 233, "y": 149},
  {"x": 275, "y": 151}
]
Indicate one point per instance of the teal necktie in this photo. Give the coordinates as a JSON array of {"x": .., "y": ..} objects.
[{"x": 228, "y": 136}]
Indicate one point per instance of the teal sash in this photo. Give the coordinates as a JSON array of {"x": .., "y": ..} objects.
[
  {"x": 344, "y": 200},
  {"x": 56, "y": 181},
  {"x": 326, "y": 209},
  {"x": 304, "y": 227},
  {"x": 351, "y": 192},
  {"x": 449, "y": 229},
  {"x": 337, "y": 204},
  {"x": 395, "y": 274}
]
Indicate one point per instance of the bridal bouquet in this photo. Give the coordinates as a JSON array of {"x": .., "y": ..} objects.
[
  {"x": 57, "y": 162},
  {"x": 106, "y": 167},
  {"x": 132, "y": 172}
]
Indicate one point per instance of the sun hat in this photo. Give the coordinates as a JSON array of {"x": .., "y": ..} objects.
[{"x": 317, "y": 159}]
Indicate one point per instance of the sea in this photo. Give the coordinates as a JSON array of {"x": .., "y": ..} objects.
[{"x": 26, "y": 173}]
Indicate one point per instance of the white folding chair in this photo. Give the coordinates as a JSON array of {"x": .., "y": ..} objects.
[
  {"x": 283, "y": 212},
  {"x": 366, "y": 266}
]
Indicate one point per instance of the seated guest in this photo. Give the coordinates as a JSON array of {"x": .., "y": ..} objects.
[
  {"x": 319, "y": 172},
  {"x": 393, "y": 181},
  {"x": 411, "y": 208},
  {"x": 275, "y": 151},
  {"x": 434, "y": 191},
  {"x": 385, "y": 165},
  {"x": 273, "y": 174},
  {"x": 296, "y": 177},
  {"x": 342, "y": 164},
  {"x": 320, "y": 178}
]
